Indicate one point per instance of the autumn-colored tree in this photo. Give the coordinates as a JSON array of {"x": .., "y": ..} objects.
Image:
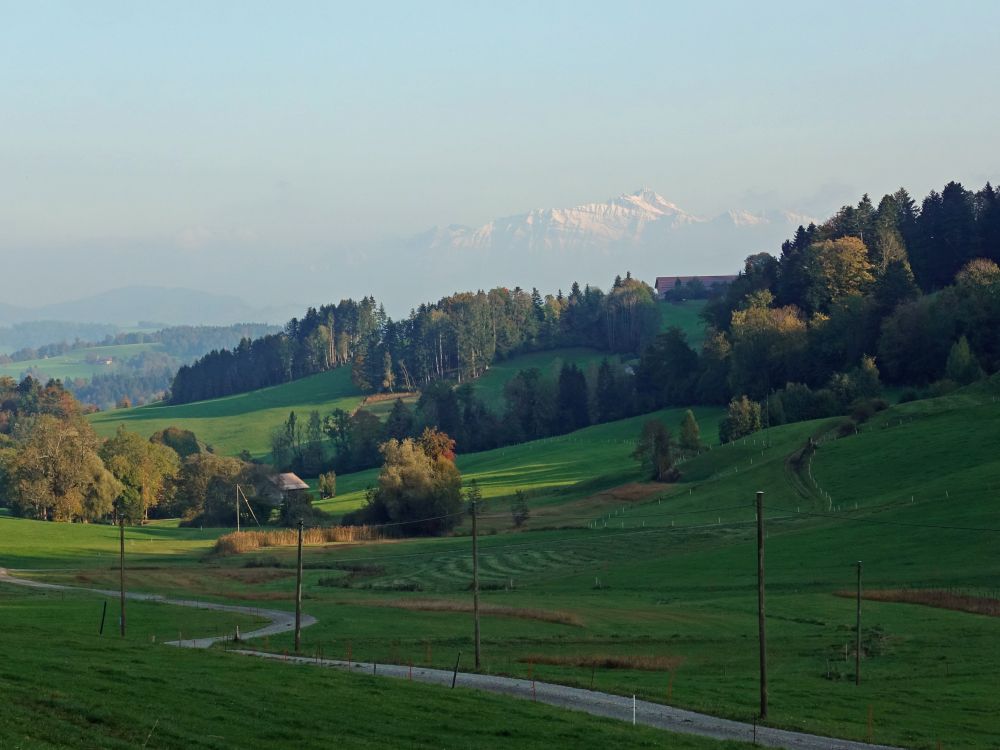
[
  {"x": 742, "y": 418},
  {"x": 690, "y": 441},
  {"x": 836, "y": 269},
  {"x": 419, "y": 488},
  {"x": 55, "y": 473},
  {"x": 768, "y": 344},
  {"x": 141, "y": 465}
]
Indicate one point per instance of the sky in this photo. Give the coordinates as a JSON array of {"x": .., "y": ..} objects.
[{"x": 254, "y": 147}]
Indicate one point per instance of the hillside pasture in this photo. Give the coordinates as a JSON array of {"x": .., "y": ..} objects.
[
  {"x": 243, "y": 421},
  {"x": 490, "y": 385},
  {"x": 685, "y": 315},
  {"x": 65, "y": 686},
  {"x": 550, "y": 471}
]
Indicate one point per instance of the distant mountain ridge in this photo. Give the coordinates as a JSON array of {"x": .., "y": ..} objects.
[
  {"x": 548, "y": 248},
  {"x": 629, "y": 219}
]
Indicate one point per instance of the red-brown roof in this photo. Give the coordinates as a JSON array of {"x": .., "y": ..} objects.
[
  {"x": 667, "y": 283},
  {"x": 289, "y": 482}
]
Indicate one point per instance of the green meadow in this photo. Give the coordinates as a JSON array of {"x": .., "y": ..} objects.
[
  {"x": 551, "y": 471},
  {"x": 74, "y": 363},
  {"x": 489, "y": 386},
  {"x": 651, "y": 589},
  {"x": 685, "y": 315},
  {"x": 243, "y": 421},
  {"x": 65, "y": 686}
]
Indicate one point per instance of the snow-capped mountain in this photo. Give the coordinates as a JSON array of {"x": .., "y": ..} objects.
[
  {"x": 623, "y": 220},
  {"x": 643, "y": 220},
  {"x": 550, "y": 248}
]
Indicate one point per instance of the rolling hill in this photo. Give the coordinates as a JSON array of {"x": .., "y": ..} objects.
[
  {"x": 243, "y": 421},
  {"x": 653, "y": 593}
]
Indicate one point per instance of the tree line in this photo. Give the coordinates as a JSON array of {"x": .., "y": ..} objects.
[
  {"x": 900, "y": 293},
  {"x": 54, "y": 467},
  {"x": 454, "y": 339}
]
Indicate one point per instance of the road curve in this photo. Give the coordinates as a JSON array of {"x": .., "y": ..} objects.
[
  {"x": 280, "y": 622},
  {"x": 576, "y": 699}
]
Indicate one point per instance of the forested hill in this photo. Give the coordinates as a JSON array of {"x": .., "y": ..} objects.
[
  {"x": 901, "y": 282},
  {"x": 455, "y": 338}
]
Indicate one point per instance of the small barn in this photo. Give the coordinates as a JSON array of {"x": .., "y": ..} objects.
[{"x": 288, "y": 483}]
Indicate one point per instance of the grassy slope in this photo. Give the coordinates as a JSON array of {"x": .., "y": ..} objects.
[
  {"x": 489, "y": 386},
  {"x": 64, "y": 686},
  {"x": 675, "y": 577},
  {"x": 549, "y": 471},
  {"x": 243, "y": 421},
  {"x": 686, "y": 316},
  {"x": 73, "y": 365}
]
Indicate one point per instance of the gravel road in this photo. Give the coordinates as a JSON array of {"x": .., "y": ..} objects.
[
  {"x": 280, "y": 622},
  {"x": 576, "y": 699}
]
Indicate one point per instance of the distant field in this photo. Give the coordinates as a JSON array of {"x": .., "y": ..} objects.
[
  {"x": 242, "y": 421},
  {"x": 73, "y": 364},
  {"x": 489, "y": 386},
  {"x": 686, "y": 316}
]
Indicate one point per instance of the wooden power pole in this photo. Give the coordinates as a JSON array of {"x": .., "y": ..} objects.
[
  {"x": 760, "y": 605},
  {"x": 237, "y": 509},
  {"x": 298, "y": 595},
  {"x": 121, "y": 568},
  {"x": 475, "y": 577},
  {"x": 857, "y": 644}
]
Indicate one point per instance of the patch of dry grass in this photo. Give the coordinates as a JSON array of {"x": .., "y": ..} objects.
[
  {"x": 496, "y": 610},
  {"x": 940, "y": 598},
  {"x": 643, "y": 663},
  {"x": 239, "y": 542}
]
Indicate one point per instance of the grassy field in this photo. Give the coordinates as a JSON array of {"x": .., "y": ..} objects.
[
  {"x": 552, "y": 471},
  {"x": 685, "y": 315},
  {"x": 73, "y": 364},
  {"x": 489, "y": 386},
  {"x": 64, "y": 686},
  {"x": 653, "y": 591},
  {"x": 243, "y": 421}
]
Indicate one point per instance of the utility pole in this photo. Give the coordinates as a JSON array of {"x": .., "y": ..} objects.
[
  {"x": 760, "y": 605},
  {"x": 475, "y": 577},
  {"x": 857, "y": 655},
  {"x": 121, "y": 567},
  {"x": 237, "y": 509},
  {"x": 298, "y": 595}
]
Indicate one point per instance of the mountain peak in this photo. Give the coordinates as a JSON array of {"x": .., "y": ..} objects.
[{"x": 649, "y": 200}]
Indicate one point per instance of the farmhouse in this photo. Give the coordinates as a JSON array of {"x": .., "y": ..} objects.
[{"x": 665, "y": 285}]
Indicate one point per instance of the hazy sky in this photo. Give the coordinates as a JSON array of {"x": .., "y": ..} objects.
[{"x": 164, "y": 142}]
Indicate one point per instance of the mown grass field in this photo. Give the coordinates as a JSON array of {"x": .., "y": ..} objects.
[
  {"x": 73, "y": 364},
  {"x": 655, "y": 593},
  {"x": 243, "y": 421},
  {"x": 64, "y": 686}
]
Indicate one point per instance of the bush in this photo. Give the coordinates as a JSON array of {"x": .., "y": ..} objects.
[{"x": 742, "y": 419}]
